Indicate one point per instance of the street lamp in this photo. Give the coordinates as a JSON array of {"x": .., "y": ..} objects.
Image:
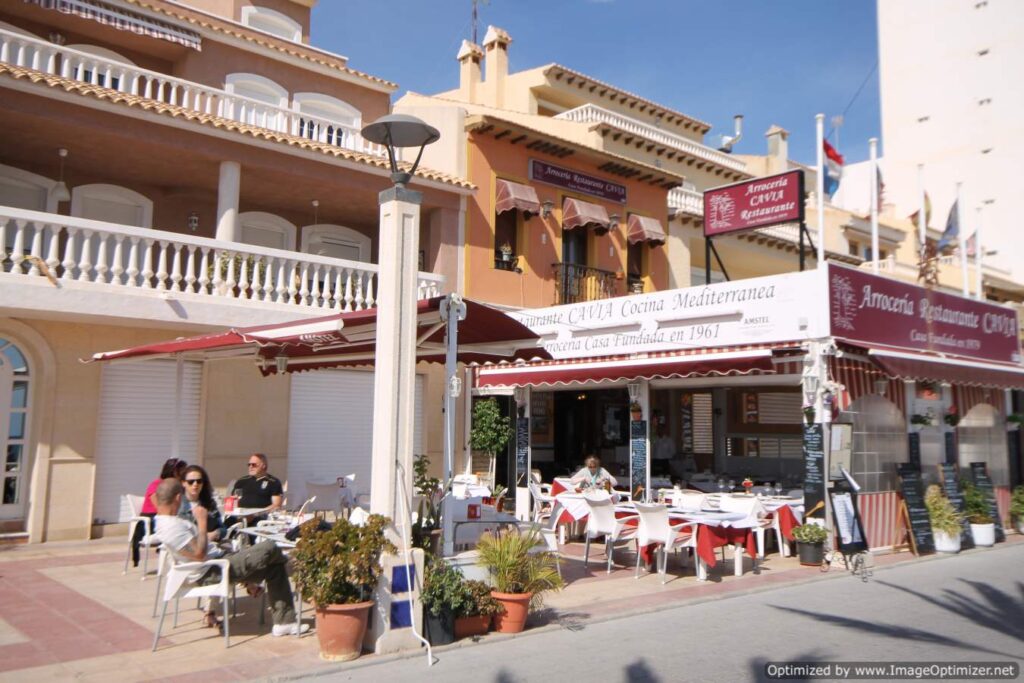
[{"x": 395, "y": 357}]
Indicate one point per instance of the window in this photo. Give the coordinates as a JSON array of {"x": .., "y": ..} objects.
[
  {"x": 764, "y": 423},
  {"x": 336, "y": 241},
  {"x": 506, "y": 226},
  {"x": 879, "y": 442},
  {"x": 257, "y": 91},
  {"x": 82, "y": 69},
  {"x": 24, "y": 190},
  {"x": 272, "y": 22},
  {"x": 982, "y": 438},
  {"x": 112, "y": 204},
  {"x": 854, "y": 248},
  {"x": 635, "y": 267},
  {"x": 882, "y": 254},
  {"x": 329, "y": 120},
  {"x": 14, "y": 428},
  {"x": 266, "y": 230}
]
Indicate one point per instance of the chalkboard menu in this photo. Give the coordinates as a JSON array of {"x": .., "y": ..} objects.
[
  {"x": 814, "y": 468},
  {"x": 638, "y": 456},
  {"x": 914, "y": 449},
  {"x": 686, "y": 413},
  {"x": 951, "y": 487},
  {"x": 913, "y": 497},
  {"x": 979, "y": 472},
  {"x": 952, "y": 457},
  {"x": 522, "y": 451}
]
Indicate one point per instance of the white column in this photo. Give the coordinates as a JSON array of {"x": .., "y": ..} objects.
[
  {"x": 645, "y": 404},
  {"x": 395, "y": 369},
  {"x": 227, "y": 201},
  {"x": 873, "y": 147},
  {"x": 820, "y": 187},
  {"x": 979, "y": 255},
  {"x": 524, "y": 506}
]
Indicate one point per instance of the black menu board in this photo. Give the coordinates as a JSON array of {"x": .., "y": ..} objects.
[
  {"x": 952, "y": 457},
  {"x": 638, "y": 456},
  {"x": 979, "y": 472},
  {"x": 814, "y": 469},
  {"x": 951, "y": 487},
  {"x": 522, "y": 451},
  {"x": 914, "y": 449},
  {"x": 912, "y": 490}
]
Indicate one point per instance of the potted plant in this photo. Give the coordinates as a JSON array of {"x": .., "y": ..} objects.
[
  {"x": 1013, "y": 421},
  {"x": 506, "y": 252},
  {"x": 945, "y": 520},
  {"x": 810, "y": 544},
  {"x": 809, "y": 414},
  {"x": 426, "y": 530},
  {"x": 338, "y": 570},
  {"x": 519, "y": 574},
  {"x": 1017, "y": 508},
  {"x": 636, "y": 412},
  {"x": 983, "y": 527},
  {"x": 747, "y": 484},
  {"x": 443, "y": 596},
  {"x": 952, "y": 417},
  {"x": 920, "y": 420},
  {"x": 491, "y": 431},
  {"x": 478, "y": 609}
]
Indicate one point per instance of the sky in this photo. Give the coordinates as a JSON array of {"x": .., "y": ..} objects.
[{"x": 774, "y": 62}]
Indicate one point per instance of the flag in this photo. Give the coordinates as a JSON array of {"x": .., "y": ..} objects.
[
  {"x": 880, "y": 195},
  {"x": 927, "y": 212},
  {"x": 833, "y": 170},
  {"x": 972, "y": 245},
  {"x": 952, "y": 231}
]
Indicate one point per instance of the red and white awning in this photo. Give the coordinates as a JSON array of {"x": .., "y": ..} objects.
[
  {"x": 644, "y": 229},
  {"x": 577, "y": 213},
  {"x": 670, "y": 365},
  {"x": 349, "y": 339},
  {"x": 509, "y": 196},
  {"x": 922, "y": 367},
  {"x": 124, "y": 20}
]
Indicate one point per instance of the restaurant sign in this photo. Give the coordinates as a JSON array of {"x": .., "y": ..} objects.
[
  {"x": 875, "y": 310},
  {"x": 755, "y": 311},
  {"x": 754, "y": 204},
  {"x": 577, "y": 182}
]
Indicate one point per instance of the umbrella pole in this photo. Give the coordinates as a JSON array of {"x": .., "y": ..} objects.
[{"x": 452, "y": 311}]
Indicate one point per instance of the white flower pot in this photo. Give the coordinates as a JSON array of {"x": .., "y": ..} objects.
[
  {"x": 1020, "y": 525},
  {"x": 984, "y": 534},
  {"x": 947, "y": 543}
]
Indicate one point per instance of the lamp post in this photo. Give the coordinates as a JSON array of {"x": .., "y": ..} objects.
[{"x": 395, "y": 356}]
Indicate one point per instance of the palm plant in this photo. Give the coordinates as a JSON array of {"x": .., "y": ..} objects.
[
  {"x": 943, "y": 516},
  {"x": 514, "y": 568}
]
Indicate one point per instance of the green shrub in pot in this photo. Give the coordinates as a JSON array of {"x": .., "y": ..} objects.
[
  {"x": 945, "y": 520},
  {"x": 810, "y": 533},
  {"x": 478, "y": 608},
  {"x": 1017, "y": 507},
  {"x": 443, "y": 596},
  {"x": 976, "y": 505}
]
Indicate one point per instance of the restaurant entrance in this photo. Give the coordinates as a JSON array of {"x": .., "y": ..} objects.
[{"x": 567, "y": 426}]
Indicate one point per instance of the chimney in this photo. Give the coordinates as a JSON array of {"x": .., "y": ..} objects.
[
  {"x": 496, "y": 44},
  {"x": 469, "y": 71},
  {"x": 778, "y": 149}
]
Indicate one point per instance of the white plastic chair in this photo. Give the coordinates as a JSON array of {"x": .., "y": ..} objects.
[
  {"x": 548, "y": 534},
  {"x": 148, "y": 540},
  {"x": 655, "y": 527},
  {"x": 691, "y": 501},
  {"x": 177, "y": 585},
  {"x": 755, "y": 512},
  {"x": 542, "y": 502},
  {"x": 602, "y": 522}
]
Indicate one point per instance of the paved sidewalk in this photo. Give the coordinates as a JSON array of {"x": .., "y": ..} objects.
[{"x": 67, "y": 613}]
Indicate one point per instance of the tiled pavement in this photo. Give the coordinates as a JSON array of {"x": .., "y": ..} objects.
[{"x": 67, "y": 613}]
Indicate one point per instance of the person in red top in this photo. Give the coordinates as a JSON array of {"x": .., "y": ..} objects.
[{"x": 173, "y": 468}]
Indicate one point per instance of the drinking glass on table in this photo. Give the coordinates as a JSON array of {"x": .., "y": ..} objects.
[
  {"x": 732, "y": 485},
  {"x": 721, "y": 485}
]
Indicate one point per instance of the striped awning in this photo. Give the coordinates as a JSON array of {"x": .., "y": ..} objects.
[
  {"x": 919, "y": 366},
  {"x": 124, "y": 20},
  {"x": 577, "y": 213},
  {"x": 644, "y": 229},
  {"x": 509, "y": 196}
]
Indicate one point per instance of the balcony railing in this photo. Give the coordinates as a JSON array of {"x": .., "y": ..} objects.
[
  {"x": 575, "y": 283},
  {"x": 690, "y": 201},
  {"x": 591, "y": 113},
  {"x": 65, "y": 249},
  {"x": 42, "y": 56}
]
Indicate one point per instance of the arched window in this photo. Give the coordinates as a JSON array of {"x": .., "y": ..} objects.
[
  {"x": 266, "y": 230},
  {"x": 15, "y": 378},
  {"x": 982, "y": 438},
  {"x": 336, "y": 241},
  {"x": 272, "y": 22},
  {"x": 24, "y": 190},
  {"x": 879, "y": 442},
  {"x": 256, "y": 90},
  {"x": 93, "y": 71},
  {"x": 112, "y": 204},
  {"x": 327, "y": 119}
]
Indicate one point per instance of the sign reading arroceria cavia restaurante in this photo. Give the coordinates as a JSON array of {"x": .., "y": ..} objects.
[
  {"x": 569, "y": 179},
  {"x": 754, "y": 204}
]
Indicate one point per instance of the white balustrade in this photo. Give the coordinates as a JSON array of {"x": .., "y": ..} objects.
[
  {"x": 591, "y": 113},
  {"x": 42, "y": 56},
  {"x": 110, "y": 255},
  {"x": 690, "y": 201}
]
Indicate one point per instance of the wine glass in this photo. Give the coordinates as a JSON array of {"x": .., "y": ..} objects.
[
  {"x": 721, "y": 485},
  {"x": 732, "y": 485}
]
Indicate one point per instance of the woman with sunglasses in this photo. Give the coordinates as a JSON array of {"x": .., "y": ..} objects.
[
  {"x": 172, "y": 469},
  {"x": 199, "y": 493}
]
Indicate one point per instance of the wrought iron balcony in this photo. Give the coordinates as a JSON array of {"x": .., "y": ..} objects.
[{"x": 575, "y": 283}]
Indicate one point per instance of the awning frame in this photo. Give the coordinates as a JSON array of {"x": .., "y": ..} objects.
[{"x": 124, "y": 20}]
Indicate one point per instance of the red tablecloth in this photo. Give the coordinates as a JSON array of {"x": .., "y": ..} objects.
[
  {"x": 711, "y": 537},
  {"x": 787, "y": 521}
]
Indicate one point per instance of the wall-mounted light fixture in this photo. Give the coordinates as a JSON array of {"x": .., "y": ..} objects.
[
  {"x": 57, "y": 38},
  {"x": 281, "y": 362},
  {"x": 546, "y": 208},
  {"x": 881, "y": 385},
  {"x": 613, "y": 221},
  {"x": 520, "y": 395},
  {"x": 455, "y": 386},
  {"x": 634, "y": 391},
  {"x": 193, "y": 221}
]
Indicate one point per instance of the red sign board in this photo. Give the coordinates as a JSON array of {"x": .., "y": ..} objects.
[
  {"x": 754, "y": 204},
  {"x": 875, "y": 310},
  {"x": 576, "y": 181}
]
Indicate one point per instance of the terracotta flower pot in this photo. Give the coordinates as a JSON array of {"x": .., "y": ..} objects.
[
  {"x": 472, "y": 626},
  {"x": 516, "y": 607},
  {"x": 340, "y": 630}
]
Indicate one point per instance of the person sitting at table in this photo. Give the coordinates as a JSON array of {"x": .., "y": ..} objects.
[
  {"x": 198, "y": 492},
  {"x": 593, "y": 476},
  {"x": 259, "y": 489},
  {"x": 188, "y": 542},
  {"x": 173, "y": 468}
]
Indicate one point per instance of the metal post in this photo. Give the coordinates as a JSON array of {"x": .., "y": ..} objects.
[
  {"x": 873, "y": 146},
  {"x": 452, "y": 311},
  {"x": 820, "y": 122},
  {"x": 707, "y": 260},
  {"x": 179, "y": 379}
]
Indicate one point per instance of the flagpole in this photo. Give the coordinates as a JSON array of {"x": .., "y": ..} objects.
[
  {"x": 979, "y": 253},
  {"x": 873, "y": 146},
  {"x": 820, "y": 189},
  {"x": 963, "y": 241}
]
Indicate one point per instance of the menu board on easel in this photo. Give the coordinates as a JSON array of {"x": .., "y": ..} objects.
[
  {"x": 979, "y": 472},
  {"x": 915, "y": 514},
  {"x": 847, "y": 520},
  {"x": 952, "y": 457},
  {"x": 522, "y": 450},
  {"x": 951, "y": 488},
  {"x": 814, "y": 468},
  {"x": 638, "y": 457},
  {"x": 914, "y": 449}
]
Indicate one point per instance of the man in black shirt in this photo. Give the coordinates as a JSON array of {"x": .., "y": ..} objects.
[{"x": 259, "y": 489}]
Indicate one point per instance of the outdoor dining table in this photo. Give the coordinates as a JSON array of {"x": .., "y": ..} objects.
[
  {"x": 717, "y": 529},
  {"x": 790, "y": 512}
]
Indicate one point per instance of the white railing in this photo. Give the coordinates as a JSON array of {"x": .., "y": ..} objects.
[
  {"x": 42, "y": 56},
  {"x": 591, "y": 113},
  {"x": 65, "y": 249},
  {"x": 690, "y": 201}
]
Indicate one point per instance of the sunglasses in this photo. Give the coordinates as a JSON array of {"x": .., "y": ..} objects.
[
  {"x": 193, "y": 482},
  {"x": 255, "y": 464}
]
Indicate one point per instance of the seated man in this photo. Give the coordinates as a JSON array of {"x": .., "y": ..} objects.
[
  {"x": 258, "y": 489},
  {"x": 188, "y": 542},
  {"x": 593, "y": 476}
]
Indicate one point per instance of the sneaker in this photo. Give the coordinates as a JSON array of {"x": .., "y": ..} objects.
[{"x": 289, "y": 629}]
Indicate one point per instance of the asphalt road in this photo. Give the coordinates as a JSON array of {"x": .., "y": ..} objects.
[{"x": 964, "y": 608}]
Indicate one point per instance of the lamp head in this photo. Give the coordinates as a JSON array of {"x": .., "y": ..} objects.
[
  {"x": 281, "y": 362},
  {"x": 396, "y": 131}
]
